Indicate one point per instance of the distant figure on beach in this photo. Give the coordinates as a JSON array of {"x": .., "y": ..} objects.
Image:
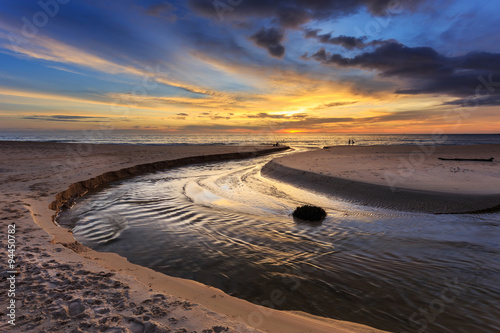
[
  {"x": 352, "y": 141},
  {"x": 349, "y": 142},
  {"x": 277, "y": 144}
]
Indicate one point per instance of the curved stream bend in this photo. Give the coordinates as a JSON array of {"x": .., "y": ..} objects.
[{"x": 225, "y": 225}]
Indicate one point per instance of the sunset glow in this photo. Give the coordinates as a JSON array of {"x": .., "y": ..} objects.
[{"x": 189, "y": 67}]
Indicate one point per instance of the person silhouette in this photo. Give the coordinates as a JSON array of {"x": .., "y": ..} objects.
[{"x": 349, "y": 141}]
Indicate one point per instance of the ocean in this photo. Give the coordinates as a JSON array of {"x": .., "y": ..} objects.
[{"x": 301, "y": 140}]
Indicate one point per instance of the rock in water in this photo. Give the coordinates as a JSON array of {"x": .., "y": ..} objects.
[{"x": 309, "y": 213}]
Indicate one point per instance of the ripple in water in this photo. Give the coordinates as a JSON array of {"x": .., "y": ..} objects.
[{"x": 224, "y": 225}]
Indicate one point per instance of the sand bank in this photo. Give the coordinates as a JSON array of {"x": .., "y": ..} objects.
[
  {"x": 409, "y": 178},
  {"x": 63, "y": 286}
]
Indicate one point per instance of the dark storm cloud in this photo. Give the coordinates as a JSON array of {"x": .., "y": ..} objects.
[
  {"x": 270, "y": 39},
  {"x": 347, "y": 42},
  {"x": 457, "y": 84},
  {"x": 430, "y": 72},
  {"x": 491, "y": 100},
  {"x": 392, "y": 59},
  {"x": 293, "y": 13}
]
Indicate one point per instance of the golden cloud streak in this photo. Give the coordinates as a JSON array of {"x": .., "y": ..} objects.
[{"x": 46, "y": 48}]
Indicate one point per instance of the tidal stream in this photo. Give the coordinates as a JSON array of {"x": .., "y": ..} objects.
[{"x": 225, "y": 225}]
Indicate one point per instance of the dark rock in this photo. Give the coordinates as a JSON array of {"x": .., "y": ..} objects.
[{"x": 309, "y": 213}]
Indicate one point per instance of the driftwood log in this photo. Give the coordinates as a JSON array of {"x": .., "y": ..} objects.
[{"x": 467, "y": 159}]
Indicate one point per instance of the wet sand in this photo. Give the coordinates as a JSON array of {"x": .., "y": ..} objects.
[
  {"x": 408, "y": 178},
  {"x": 65, "y": 287}
]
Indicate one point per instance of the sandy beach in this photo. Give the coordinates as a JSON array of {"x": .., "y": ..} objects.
[
  {"x": 408, "y": 178},
  {"x": 62, "y": 286}
]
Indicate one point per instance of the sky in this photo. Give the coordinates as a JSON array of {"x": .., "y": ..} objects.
[{"x": 248, "y": 66}]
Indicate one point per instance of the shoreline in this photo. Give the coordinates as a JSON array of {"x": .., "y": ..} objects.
[
  {"x": 64, "y": 285},
  {"x": 385, "y": 177}
]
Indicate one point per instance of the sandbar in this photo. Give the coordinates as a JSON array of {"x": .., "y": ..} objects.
[{"x": 408, "y": 178}]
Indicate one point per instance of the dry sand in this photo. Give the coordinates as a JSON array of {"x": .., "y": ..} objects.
[
  {"x": 62, "y": 286},
  {"x": 410, "y": 178}
]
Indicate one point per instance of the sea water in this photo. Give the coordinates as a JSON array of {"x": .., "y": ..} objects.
[{"x": 305, "y": 140}]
